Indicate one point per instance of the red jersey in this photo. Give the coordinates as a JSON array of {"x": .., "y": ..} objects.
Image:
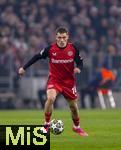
[{"x": 61, "y": 62}]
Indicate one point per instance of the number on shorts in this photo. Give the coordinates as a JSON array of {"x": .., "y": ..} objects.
[{"x": 74, "y": 91}]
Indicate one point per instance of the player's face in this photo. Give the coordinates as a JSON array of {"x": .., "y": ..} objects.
[{"x": 62, "y": 39}]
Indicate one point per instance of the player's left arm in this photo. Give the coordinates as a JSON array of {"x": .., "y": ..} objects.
[{"x": 78, "y": 60}]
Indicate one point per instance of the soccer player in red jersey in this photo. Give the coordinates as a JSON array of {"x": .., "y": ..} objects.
[{"x": 62, "y": 59}]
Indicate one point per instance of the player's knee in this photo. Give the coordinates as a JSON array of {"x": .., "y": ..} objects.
[
  {"x": 73, "y": 104},
  {"x": 51, "y": 99},
  {"x": 73, "y": 108}
]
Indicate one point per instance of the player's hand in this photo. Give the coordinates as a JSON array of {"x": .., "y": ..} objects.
[
  {"x": 21, "y": 71},
  {"x": 77, "y": 70}
]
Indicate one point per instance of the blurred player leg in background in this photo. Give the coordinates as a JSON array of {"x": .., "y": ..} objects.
[
  {"x": 87, "y": 92},
  {"x": 42, "y": 97}
]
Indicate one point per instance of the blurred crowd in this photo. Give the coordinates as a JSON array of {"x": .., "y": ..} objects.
[{"x": 27, "y": 26}]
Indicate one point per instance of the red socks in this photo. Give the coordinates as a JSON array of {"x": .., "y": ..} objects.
[
  {"x": 76, "y": 121},
  {"x": 47, "y": 117}
]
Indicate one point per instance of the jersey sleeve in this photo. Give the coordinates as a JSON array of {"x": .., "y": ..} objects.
[
  {"x": 78, "y": 59},
  {"x": 43, "y": 54}
]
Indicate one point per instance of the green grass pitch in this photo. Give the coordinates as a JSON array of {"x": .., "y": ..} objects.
[{"x": 103, "y": 127}]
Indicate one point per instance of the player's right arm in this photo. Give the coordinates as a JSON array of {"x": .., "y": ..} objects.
[{"x": 42, "y": 55}]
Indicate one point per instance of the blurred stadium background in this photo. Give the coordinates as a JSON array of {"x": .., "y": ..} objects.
[{"x": 26, "y": 26}]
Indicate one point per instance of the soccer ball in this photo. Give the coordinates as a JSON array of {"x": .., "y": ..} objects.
[{"x": 56, "y": 126}]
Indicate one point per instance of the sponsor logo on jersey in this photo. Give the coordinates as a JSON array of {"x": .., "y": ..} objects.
[{"x": 58, "y": 61}]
